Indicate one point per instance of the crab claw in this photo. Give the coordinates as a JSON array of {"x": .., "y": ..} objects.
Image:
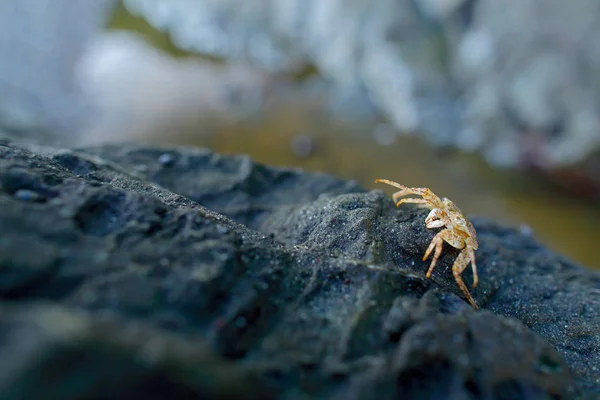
[{"x": 433, "y": 220}]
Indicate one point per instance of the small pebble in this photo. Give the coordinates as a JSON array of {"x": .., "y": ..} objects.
[
  {"x": 384, "y": 134},
  {"x": 526, "y": 230},
  {"x": 28, "y": 195},
  {"x": 164, "y": 262},
  {"x": 166, "y": 159},
  {"x": 240, "y": 322},
  {"x": 302, "y": 146},
  {"x": 141, "y": 168},
  {"x": 222, "y": 228}
]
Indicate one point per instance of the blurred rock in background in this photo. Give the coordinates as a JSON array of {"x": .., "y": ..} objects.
[
  {"x": 143, "y": 94},
  {"x": 515, "y": 80},
  {"x": 40, "y": 43},
  {"x": 65, "y": 79}
]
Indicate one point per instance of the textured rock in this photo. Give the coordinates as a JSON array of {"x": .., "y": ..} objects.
[{"x": 322, "y": 293}]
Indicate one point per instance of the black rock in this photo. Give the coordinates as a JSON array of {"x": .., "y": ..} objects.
[{"x": 214, "y": 277}]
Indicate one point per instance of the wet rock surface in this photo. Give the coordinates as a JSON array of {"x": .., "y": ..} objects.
[{"x": 183, "y": 273}]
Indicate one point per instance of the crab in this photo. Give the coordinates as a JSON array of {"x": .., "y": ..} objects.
[{"x": 459, "y": 232}]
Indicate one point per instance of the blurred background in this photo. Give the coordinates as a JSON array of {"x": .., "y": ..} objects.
[{"x": 494, "y": 104}]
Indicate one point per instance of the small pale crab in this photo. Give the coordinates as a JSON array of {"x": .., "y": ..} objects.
[{"x": 459, "y": 232}]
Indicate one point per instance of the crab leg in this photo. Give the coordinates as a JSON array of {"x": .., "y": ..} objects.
[
  {"x": 474, "y": 267},
  {"x": 437, "y": 243},
  {"x": 411, "y": 200},
  {"x": 429, "y": 199},
  {"x": 404, "y": 190},
  {"x": 400, "y": 193},
  {"x": 460, "y": 264},
  {"x": 392, "y": 183}
]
